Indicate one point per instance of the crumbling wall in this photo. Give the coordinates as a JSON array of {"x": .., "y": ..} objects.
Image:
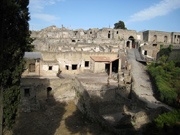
[{"x": 83, "y": 102}]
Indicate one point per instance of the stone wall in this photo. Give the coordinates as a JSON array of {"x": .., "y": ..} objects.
[
  {"x": 149, "y": 51},
  {"x": 157, "y": 36},
  {"x": 90, "y": 110},
  {"x": 67, "y": 59}
]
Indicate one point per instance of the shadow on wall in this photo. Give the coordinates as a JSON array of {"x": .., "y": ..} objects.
[
  {"x": 44, "y": 121},
  {"x": 79, "y": 124},
  {"x": 90, "y": 111},
  {"x": 131, "y": 123},
  {"x": 60, "y": 118}
]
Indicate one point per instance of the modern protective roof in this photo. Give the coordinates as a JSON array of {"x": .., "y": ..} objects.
[
  {"x": 103, "y": 58},
  {"x": 33, "y": 55}
]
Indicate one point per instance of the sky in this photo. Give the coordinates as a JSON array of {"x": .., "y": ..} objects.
[{"x": 139, "y": 15}]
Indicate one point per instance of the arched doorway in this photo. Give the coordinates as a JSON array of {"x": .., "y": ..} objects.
[
  {"x": 49, "y": 89},
  {"x": 155, "y": 39},
  {"x": 133, "y": 41},
  {"x": 165, "y": 39},
  {"x": 128, "y": 44}
]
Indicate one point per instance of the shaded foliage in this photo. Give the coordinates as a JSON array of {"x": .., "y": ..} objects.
[
  {"x": 166, "y": 78},
  {"x": 119, "y": 25},
  {"x": 165, "y": 51},
  {"x": 165, "y": 124},
  {"x": 15, "y": 40}
]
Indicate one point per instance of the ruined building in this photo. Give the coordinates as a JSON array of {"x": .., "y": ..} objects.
[{"x": 60, "y": 52}]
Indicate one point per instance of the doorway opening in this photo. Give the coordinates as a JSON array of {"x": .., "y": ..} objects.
[
  {"x": 128, "y": 44},
  {"x": 107, "y": 68},
  {"x": 133, "y": 41},
  {"x": 115, "y": 65},
  {"x": 49, "y": 89}
]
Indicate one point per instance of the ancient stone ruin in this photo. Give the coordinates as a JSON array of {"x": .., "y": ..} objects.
[{"x": 91, "y": 68}]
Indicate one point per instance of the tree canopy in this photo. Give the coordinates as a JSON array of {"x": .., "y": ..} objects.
[
  {"x": 14, "y": 41},
  {"x": 119, "y": 25}
]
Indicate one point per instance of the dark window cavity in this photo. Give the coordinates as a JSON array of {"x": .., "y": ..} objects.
[
  {"x": 26, "y": 92},
  {"x": 86, "y": 63},
  {"x": 50, "y": 67},
  {"x": 74, "y": 67}
]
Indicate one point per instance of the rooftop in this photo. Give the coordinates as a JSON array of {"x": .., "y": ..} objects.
[
  {"x": 33, "y": 55},
  {"x": 103, "y": 58}
]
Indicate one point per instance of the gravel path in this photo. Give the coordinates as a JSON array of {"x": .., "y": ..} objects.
[{"x": 143, "y": 86}]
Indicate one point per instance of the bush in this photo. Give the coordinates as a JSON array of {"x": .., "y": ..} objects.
[
  {"x": 164, "y": 76},
  {"x": 170, "y": 118}
]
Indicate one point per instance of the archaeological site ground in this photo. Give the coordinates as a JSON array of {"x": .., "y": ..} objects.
[{"x": 91, "y": 82}]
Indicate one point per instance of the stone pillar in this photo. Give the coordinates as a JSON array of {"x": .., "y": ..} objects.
[
  {"x": 110, "y": 69},
  {"x": 119, "y": 66}
]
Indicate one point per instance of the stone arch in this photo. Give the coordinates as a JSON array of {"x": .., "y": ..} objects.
[
  {"x": 128, "y": 44},
  {"x": 155, "y": 39},
  {"x": 165, "y": 39},
  {"x": 133, "y": 41}
]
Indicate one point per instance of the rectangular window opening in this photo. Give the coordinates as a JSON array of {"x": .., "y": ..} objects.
[
  {"x": 74, "y": 67},
  {"x": 154, "y": 44},
  {"x": 86, "y": 63},
  {"x": 26, "y": 92},
  {"x": 73, "y": 40},
  {"x": 50, "y": 67}
]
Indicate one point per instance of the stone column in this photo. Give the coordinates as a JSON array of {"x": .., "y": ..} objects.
[
  {"x": 119, "y": 66},
  {"x": 110, "y": 70}
]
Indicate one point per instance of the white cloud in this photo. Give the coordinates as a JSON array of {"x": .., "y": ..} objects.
[
  {"x": 46, "y": 17},
  {"x": 38, "y": 5},
  {"x": 160, "y": 9}
]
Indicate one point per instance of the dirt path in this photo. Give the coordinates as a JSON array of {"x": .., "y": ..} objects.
[{"x": 143, "y": 86}]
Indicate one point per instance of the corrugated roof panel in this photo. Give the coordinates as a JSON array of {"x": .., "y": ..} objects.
[{"x": 33, "y": 55}]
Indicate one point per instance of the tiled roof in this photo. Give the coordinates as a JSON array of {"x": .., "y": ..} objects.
[{"x": 103, "y": 58}]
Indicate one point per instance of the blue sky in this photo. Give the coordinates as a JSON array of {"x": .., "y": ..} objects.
[{"x": 161, "y": 15}]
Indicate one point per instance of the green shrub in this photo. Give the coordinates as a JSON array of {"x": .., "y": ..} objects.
[
  {"x": 167, "y": 118},
  {"x": 164, "y": 76}
]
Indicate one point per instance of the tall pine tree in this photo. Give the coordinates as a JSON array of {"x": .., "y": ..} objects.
[
  {"x": 14, "y": 41},
  {"x": 119, "y": 25}
]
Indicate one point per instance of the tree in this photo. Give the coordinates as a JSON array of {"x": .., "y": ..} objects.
[
  {"x": 119, "y": 25},
  {"x": 14, "y": 41}
]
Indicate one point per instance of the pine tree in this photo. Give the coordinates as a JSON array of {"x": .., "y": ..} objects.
[
  {"x": 119, "y": 25},
  {"x": 14, "y": 41}
]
